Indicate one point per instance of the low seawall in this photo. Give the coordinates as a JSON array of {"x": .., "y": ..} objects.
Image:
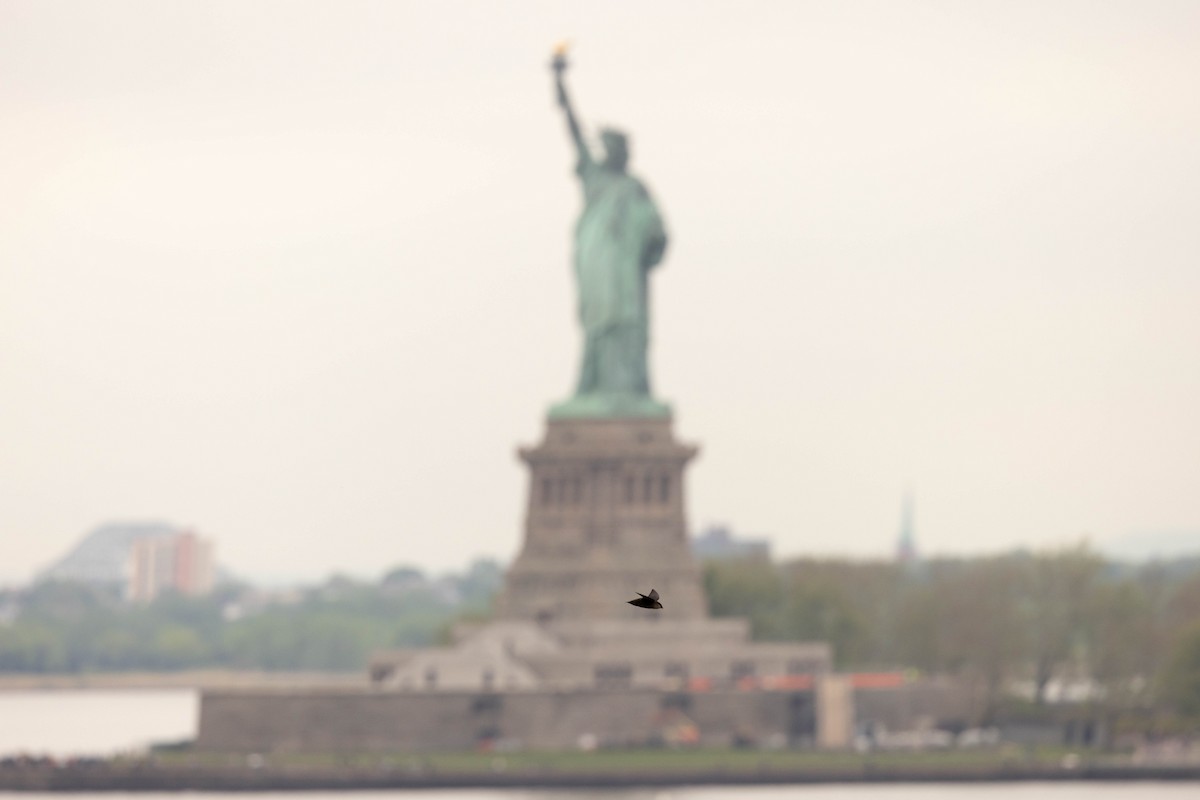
[{"x": 372, "y": 721}]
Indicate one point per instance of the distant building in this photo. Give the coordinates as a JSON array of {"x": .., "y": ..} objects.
[
  {"x": 182, "y": 563},
  {"x": 139, "y": 559},
  {"x": 102, "y": 557},
  {"x": 717, "y": 543}
]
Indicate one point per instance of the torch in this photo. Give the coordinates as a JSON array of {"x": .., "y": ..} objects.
[{"x": 559, "y": 64}]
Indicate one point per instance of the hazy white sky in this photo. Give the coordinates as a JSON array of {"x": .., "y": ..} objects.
[{"x": 297, "y": 274}]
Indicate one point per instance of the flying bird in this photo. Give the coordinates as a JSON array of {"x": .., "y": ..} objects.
[{"x": 646, "y": 600}]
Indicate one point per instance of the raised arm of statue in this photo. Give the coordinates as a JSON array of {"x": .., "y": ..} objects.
[{"x": 564, "y": 100}]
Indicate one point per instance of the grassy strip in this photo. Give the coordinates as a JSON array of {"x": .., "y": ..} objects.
[{"x": 641, "y": 761}]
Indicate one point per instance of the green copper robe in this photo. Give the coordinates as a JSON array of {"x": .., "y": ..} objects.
[{"x": 619, "y": 238}]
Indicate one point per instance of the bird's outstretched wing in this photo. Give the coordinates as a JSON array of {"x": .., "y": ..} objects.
[{"x": 653, "y": 595}]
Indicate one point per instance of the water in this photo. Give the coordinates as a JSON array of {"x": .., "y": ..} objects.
[
  {"x": 94, "y": 722},
  {"x": 1008, "y": 791},
  {"x": 64, "y": 723}
]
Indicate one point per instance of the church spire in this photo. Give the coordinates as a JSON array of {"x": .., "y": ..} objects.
[{"x": 906, "y": 546}]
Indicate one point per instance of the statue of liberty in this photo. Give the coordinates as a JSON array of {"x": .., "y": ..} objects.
[{"x": 619, "y": 238}]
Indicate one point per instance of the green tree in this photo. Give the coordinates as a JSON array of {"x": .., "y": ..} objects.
[
  {"x": 919, "y": 635},
  {"x": 824, "y": 613},
  {"x": 1055, "y": 596},
  {"x": 31, "y": 647},
  {"x": 177, "y": 646},
  {"x": 1121, "y": 630},
  {"x": 1180, "y": 681},
  {"x": 747, "y": 588},
  {"x": 980, "y": 629}
]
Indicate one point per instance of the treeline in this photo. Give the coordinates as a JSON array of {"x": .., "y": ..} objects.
[
  {"x": 73, "y": 627},
  {"x": 1129, "y": 635}
]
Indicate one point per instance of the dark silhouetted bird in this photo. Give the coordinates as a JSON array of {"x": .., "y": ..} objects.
[{"x": 646, "y": 600}]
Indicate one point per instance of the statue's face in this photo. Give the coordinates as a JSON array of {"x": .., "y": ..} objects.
[{"x": 616, "y": 152}]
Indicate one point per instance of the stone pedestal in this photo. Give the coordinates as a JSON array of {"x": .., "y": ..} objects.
[{"x": 605, "y": 519}]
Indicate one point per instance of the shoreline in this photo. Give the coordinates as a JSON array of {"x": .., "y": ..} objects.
[{"x": 185, "y": 679}]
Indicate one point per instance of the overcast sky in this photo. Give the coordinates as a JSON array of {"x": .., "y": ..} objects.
[{"x": 297, "y": 274}]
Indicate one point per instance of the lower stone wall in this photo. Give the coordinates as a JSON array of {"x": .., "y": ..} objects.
[{"x": 334, "y": 720}]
